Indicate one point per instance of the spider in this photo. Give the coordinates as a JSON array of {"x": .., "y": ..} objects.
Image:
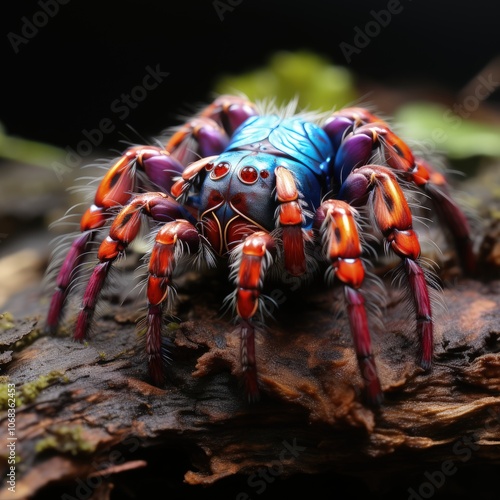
[{"x": 265, "y": 191}]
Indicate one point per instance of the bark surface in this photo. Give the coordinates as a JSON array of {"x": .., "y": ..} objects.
[{"x": 89, "y": 425}]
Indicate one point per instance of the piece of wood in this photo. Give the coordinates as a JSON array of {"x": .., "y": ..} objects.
[{"x": 89, "y": 424}]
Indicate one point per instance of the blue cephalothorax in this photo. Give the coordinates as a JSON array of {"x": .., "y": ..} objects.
[
  {"x": 239, "y": 184},
  {"x": 294, "y": 138},
  {"x": 272, "y": 192}
]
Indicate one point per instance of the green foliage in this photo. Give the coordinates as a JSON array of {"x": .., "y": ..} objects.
[
  {"x": 26, "y": 151},
  {"x": 317, "y": 83},
  {"x": 320, "y": 85},
  {"x": 440, "y": 130}
]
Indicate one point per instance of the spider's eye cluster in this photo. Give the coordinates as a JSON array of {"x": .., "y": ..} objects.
[{"x": 247, "y": 174}]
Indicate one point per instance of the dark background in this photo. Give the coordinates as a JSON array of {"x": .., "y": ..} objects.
[{"x": 65, "y": 77}]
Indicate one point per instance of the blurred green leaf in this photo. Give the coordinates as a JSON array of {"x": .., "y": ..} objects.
[
  {"x": 440, "y": 130},
  {"x": 315, "y": 81},
  {"x": 27, "y": 151},
  {"x": 320, "y": 85}
]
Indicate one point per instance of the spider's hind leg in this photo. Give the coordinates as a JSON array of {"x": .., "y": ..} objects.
[
  {"x": 359, "y": 136},
  {"x": 435, "y": 185},
  {"x": 208, "y": 132}
]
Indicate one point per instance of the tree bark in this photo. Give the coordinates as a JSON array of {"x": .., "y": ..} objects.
[{"x": 89, "y": 425}]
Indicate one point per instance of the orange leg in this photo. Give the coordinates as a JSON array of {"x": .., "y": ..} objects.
[
  {"x": 206, "y": 134},
  {"x": 338, "y": 230},
  {"x": 399, "y": 156},
  {"x": 157, "y": 167},
  {"x": 449, "y": 212},
  {"x": 164, "y": 255},
  {"x": 123, "y": 231},
  {"x": 230, "y": 111},
  {"x": 358, "y": 135},
  {"x": 290, "y": 219},
  {"x": 250, "y": 263},
  {"x": 392, "y": 215}
]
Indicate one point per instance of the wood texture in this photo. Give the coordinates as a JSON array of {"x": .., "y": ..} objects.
[{"x": 99, "y": 428}]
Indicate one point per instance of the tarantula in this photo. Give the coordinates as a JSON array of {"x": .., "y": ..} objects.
[{"x": 262, "y": 190}]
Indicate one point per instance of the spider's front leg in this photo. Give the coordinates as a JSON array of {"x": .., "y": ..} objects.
[
  {"x": 338, "y": 231},
  {"x": 124, "y": 229},
  {"x": 379, "y": 187},
  {"x": 148, "y": 168},
  {"x": 251, "y": 260},
  {"x": 115, "y": 189},
  {"x": 174, "y": 240},
  {"x": 290, "y": 221}
]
